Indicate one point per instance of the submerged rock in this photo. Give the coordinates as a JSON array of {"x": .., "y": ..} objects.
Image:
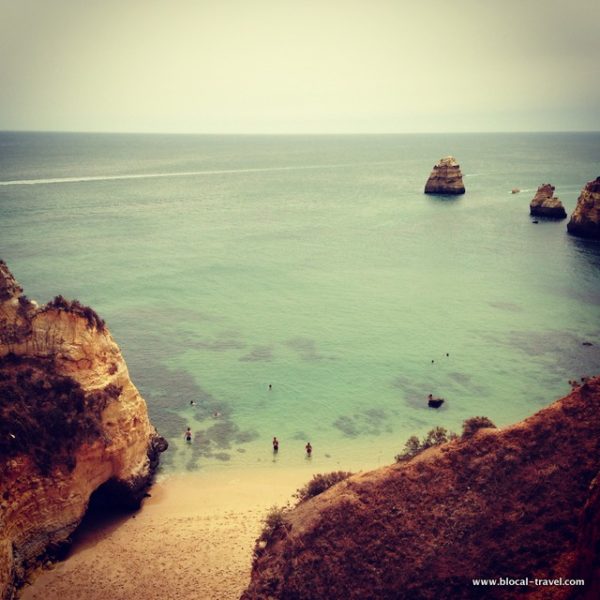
[
  {"x": 512, "y": 501},
  {"x": 71, "y": 423},
  {"x": 544, "y": 204},
  {"x": 585, "y": 220},
  {"x": 445, "y": 178}
]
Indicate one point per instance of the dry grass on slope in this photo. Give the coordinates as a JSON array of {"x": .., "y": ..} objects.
[{"x": 503, "y": 503}]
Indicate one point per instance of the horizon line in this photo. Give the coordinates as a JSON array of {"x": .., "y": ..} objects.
[{"x": 292, "y": 133}]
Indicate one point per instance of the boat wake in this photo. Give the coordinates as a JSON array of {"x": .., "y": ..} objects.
[{"x": 83, "y": 179}]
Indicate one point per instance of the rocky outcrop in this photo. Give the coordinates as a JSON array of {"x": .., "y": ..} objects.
[
  {"x": 545, "y": 204},
  {"x": 513, "y": 502},
  {"x": 585, "y": 220},
  {"x": 445, "y": 178},
  {"x": 71, "y": 423}
]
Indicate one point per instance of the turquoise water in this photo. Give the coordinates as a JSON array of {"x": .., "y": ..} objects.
[{"x": 222, "y": 264}]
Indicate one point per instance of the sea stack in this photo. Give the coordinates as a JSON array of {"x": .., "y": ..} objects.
[
  {"x": 585, "y": 220},
  {"x": 544, "y": 204},
  {"x": 71, "y": 423},
  {"x": 445, "y": 178}
]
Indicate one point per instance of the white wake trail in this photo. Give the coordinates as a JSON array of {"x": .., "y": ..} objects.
[{"x": 174, "y": 174}]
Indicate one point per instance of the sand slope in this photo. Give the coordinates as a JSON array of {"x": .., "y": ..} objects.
[{"x": 193, "y": 538}]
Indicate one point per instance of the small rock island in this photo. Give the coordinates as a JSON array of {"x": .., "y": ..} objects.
[
  {"x": 585, "y": 220},
  {"x": 445, "y": 178},
  {"x": 545, "y": 204}
]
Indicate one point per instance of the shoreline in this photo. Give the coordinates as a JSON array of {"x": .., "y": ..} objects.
[{"x": 194, "y": 534}]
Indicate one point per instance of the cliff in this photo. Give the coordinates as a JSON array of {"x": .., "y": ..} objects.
[
  {"x": 71, "y": 423},
  {"x": 585, "y": 220},
  {"x": 512, "y": 503},
  {"x": 545, "y": 204},
  {"x": 445, "y": 178}
]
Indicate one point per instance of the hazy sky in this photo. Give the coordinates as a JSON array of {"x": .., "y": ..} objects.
[{"x": 279, "y": 66}]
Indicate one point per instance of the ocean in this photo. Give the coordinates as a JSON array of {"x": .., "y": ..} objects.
[{"x": 316, "y": 265}]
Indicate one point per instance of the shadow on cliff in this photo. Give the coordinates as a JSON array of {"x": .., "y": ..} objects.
[{"x": 103, "y": 516}]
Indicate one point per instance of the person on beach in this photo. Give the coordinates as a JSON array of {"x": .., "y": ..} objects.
[
  {"x": 188, "y": 435},
  {"x": 308, "y": 449},
  {"x": 275, "y": 445}
]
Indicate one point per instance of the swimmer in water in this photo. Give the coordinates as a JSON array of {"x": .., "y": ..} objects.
[
  {"x": 188, "y": 435},
  {"x": 308, "y": 449},
  {"x": 275, "y": 445}
]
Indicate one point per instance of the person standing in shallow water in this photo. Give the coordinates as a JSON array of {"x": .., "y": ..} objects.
[
  {"x": 275, "y": 445},
  {"x": 188, "y": 435},
  {"x": 308, "y": 449}
]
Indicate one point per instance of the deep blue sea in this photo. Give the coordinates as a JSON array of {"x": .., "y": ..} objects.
[{"x": 316, "y": 264}]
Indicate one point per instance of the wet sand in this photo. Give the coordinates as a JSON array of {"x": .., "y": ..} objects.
[{"x": 192, "y": 538}]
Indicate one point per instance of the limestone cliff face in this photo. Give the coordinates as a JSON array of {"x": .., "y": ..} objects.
[
  {"x": 445, "y": 178},
  {"x": 585, "y": 220},
  {"x": 71, "y": 420},
  {"x": 545, "y": 204},
  {"x": 514, "y": 502}
]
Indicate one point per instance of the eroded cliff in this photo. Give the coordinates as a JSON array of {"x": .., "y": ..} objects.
[
  {"x": 585, "y": 220},
  {"x": 71, "y": 421},
  {"x": 514, "y": 503},
  {"x": 545, "y": 204},
  {"x": 445, "y": 178}
]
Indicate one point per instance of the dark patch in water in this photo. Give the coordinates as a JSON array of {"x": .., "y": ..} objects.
[
  {"x": 306, "y": 348},
  {"x": 210, "y": 443},
  {"x": 561, "y": 352},
  {"x": 347, "y": 426},
  {"x": 450, "y": 387},
  {"x": 300, "y": 435},
  {"x": 226, "y": 432},
  {"x": 415, "y": 394},
  {"x": 222, "y": 456},
  {"x": 461, "y": 378},
  {"x": 509, "y": 306},
  {"x": 222, "y": 343},
  {"x": 258, "y": 353},
  {"x": 373, "y": 421}
]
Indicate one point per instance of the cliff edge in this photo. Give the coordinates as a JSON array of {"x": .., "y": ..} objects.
[
  {"x": 514, "y": 503},
  {"x": 71, "y": 423}
]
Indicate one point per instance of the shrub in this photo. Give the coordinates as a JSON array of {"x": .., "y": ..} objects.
[
  {"x": 472, "y": 425},
  {"x": 25, "y": 305},
  {"x": 319, "y": 483},
  {"x": 274, "y": 521},
  {"x": 75, "y": 307},
  {"x": 435, "y": 437},
  {"x": 45, "y": 415}
]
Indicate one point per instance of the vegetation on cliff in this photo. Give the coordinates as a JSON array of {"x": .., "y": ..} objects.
[
  {"x": 45, "y": 415},
  {"x": 75, "y": 307},
  {"x": 319, "y": 483}
]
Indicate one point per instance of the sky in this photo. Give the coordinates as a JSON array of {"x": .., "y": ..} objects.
[{"x": 303, "y": 66}]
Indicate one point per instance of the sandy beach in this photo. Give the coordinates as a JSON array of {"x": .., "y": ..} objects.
[{"x": 193, "y": 537}]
